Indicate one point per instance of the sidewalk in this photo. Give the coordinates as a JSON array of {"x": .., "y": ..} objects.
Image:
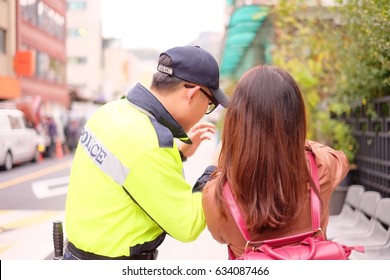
[
  {"x": 30, "y": 237},
  {"x": 205, "y": 247}
]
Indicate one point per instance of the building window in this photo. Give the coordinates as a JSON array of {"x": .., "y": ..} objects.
[
  {"x": 29, "y": 10},
  {"x": 50, "y": 21},
  {"x": 77, "y": 32},
  {"x": 2, "y": 41},
  {"x": 49, "y": 68},
  {"x": 77, "y": 60},
  {"x": 39, "y": 14},
  {"x": 76, "y": 5}
]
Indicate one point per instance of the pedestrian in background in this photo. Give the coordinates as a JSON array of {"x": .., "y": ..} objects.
[
  {"x": 72, "y": 134},
  {"x": 263, "y": 159},
  {"x": 52, "y": 132},
  {"x": 127, "y": 189}
]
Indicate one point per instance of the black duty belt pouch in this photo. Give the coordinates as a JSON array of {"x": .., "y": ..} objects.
[{"x": 82, "y": 255}]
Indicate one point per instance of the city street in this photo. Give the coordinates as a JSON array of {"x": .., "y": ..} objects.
[{"x": 32, "y": 196}]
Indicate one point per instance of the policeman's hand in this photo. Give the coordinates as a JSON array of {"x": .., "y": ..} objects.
[{"x": 198, "y": 133}]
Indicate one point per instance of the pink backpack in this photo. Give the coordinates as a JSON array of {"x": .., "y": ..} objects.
[{"x": 310, "y": 245}]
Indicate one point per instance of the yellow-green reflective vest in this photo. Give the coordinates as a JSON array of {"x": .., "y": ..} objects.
[{"x": 125, "y": 149}]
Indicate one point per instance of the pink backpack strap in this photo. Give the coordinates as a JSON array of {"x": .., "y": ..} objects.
[
  {"x": 315, "y": 202},
  {"x": 235, "y": 211}
]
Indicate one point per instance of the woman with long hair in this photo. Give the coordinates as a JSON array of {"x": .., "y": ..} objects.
[{"x": 263, "y": 158}]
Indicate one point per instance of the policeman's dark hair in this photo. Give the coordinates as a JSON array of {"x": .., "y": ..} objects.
[{"x": 164, "y": 82}]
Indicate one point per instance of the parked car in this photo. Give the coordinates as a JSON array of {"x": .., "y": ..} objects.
[{"x": 19, "y": 141}]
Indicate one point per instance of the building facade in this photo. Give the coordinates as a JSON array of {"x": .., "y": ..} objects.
[
  {"x": 33, "y": 60},
  {"x": 40, "y": 46},
  {"x": 84, "y": 48},
  {"x": 9, "y": 84}
]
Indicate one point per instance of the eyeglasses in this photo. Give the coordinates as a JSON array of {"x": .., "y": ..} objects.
[{"x": 213, "y": 103}]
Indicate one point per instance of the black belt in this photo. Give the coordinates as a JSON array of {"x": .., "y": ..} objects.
[{"x": 82, "y": 255}]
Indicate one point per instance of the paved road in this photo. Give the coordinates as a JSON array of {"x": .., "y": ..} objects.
[{"x": 31, "y": 234}]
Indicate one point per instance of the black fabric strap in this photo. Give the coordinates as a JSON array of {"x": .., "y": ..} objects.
[
  {"x": 82, "y": 255},
  {"x": 202, "y": 180},
  {"x": 183, "y": 158}
]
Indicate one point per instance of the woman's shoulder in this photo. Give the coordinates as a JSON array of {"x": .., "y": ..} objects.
[
  {"x": 332, "y": 164},
  {"x": 325, "y": 153},
  {"x": 209, "y": 190}
]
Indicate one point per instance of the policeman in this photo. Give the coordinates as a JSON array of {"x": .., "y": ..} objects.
[{"x": 127, "y": 189}]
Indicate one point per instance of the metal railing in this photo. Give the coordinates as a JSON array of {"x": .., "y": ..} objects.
[{"x": 371, "y": 127}]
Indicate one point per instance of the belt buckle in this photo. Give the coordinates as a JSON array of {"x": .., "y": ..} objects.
[{"x": 152, "y": 255}]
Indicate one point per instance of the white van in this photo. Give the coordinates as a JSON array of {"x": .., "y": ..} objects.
[{"x": 19, "y": 141}]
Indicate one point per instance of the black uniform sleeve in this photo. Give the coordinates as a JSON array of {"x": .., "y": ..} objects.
[{"x": 202, "y": 180}]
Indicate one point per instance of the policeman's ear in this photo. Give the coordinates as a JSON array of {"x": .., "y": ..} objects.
[{"x": 190, "y": 92}]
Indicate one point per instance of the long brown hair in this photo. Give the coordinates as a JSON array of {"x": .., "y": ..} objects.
[{"x": 263, "y": 148}]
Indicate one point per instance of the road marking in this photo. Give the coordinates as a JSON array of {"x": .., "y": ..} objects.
[
  {"x": 40, "y": 173},
  {"x": 6, "y": 247},
  {"x": 51, "y": 187},
  {"x": 27, "y": 234},
  {"x": 36, "y": 217}
]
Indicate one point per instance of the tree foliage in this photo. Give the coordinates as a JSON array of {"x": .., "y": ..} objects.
[
  {"x": 304, "y": 46},
  {"x": 362, "y": 47}
]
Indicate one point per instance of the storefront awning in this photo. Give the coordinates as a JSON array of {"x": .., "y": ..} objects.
[{"x": 243, "y": 26}]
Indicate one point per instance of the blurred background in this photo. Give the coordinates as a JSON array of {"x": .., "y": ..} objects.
[
  {"x": 63, "y": 59},
  {"x": 60, "y": 60}
]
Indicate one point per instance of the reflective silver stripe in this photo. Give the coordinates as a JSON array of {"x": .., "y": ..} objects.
[{"x": 102, "y": 157}]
